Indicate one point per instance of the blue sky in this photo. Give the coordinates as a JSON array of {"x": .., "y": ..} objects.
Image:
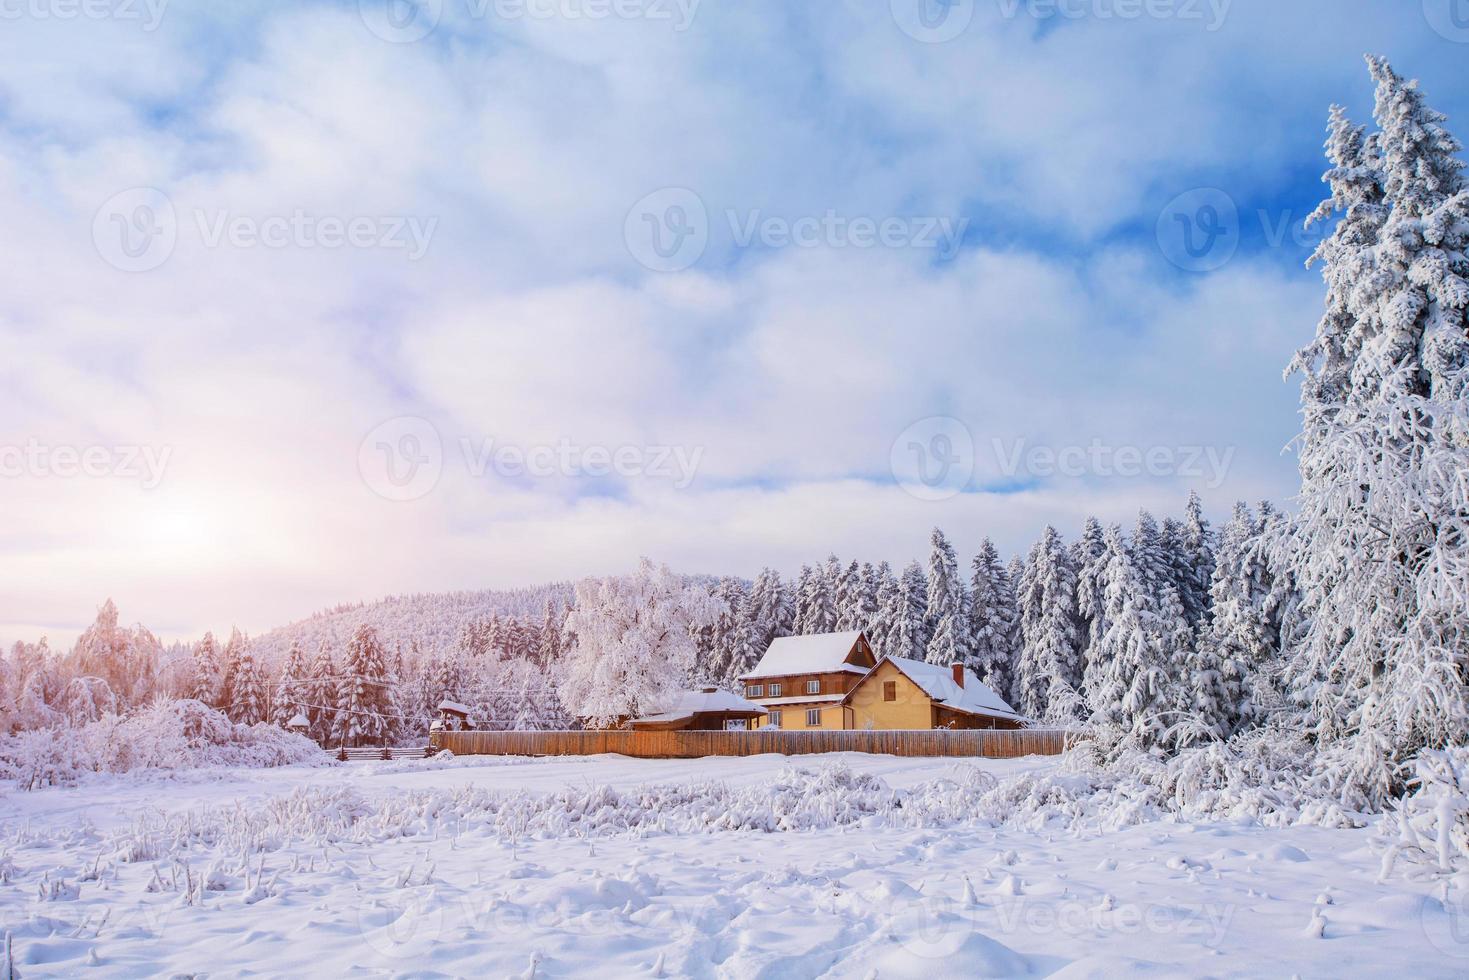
[{"x": 482, "y": 293}]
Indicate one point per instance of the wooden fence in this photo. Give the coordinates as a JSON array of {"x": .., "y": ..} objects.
[{"x": 693, "y": 745}]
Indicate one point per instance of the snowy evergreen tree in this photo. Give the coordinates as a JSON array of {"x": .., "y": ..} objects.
[
  {"x": 232, "y": 660},
  {"x": 1130, "y": 685},
  {"x": 849, "y": 600},
  {"x": 289, "y": 697},
  {"x": 1379, "y": 549},
  {"x": 994, "y": 622},
  {"x": 634, "y": 649},
  {"x": 819, "y": 602},
  {"x": 946, "y": 617},
  {"x": 880, "y": 632},
  {"x": 1049, "y": 673},
  {"x": 248, "y": 703},
  {"x": 206, "y": 673},
  {"x": 548, "y": 647},
  {"x": 801, "y": 622},
  {"x": 1197, "y": 562},
  {"x": 364, "y": 707},
  {"x": 322, "y": 692},
  {"x": 1091, "y": 558},
  {"x": 907, "y": 635},
  {"x": 770, "y": 613},
  {"x": 1239, "y": 641}
]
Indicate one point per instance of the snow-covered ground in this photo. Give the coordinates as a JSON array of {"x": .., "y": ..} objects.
[{"x": 422, "y": 869}]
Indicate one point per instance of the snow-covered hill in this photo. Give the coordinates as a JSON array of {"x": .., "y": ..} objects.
[{"x": 433, "y": 620}]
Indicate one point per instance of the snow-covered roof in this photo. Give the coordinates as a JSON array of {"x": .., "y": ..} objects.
[
  {"x": 937, "y": 681},
  {"x": 814, "y": 653},
  {"x": 692, "y": 703},
  {"x": 298, "y": 721},
  {"x": 456, "y": 707}
]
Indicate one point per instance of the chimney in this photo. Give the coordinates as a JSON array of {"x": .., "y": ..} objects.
[{"x": 958, "y": 670}]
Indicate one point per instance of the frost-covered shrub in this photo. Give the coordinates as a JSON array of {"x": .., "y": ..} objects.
[
  {"x": 1429, "y": 828},
  {"x": 167, "y": 735}
]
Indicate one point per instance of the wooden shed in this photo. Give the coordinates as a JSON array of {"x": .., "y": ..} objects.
[{"x": 707, "y": 709}]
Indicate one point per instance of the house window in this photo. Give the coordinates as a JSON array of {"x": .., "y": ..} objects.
[
  {"x": 813, "y": 687},
  {"x": 775, "y": 719},
  {"x": 775, "y": 690},
  {"x": 890, "y": 690},
  {"x": 813, "y": 718},
  {"x": 755, "y": 691}
]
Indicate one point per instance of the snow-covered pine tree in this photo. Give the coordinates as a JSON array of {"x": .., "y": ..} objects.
[
  {"x": 1198, "y": 562},
  {"x": 1091, "y": 558},
  {"x": 548, "y": 643},
  {"x": 994, "y": 622},
  {"x": 1049, "y": 678},
  {"x": 231, "y": 659},
  {"x": 801, "y": 621},
  {"x": 1128, "y": 687},
  {"x": 946, "y": 617},
  {"x": 1379, "y": 548},
  {"x": 867, "y": 605},
  {"x": 907, "y": 630},
  {"x": 364, "y": 708},
  {"x": 289, "y": 696},
  {"x": 322, "y": 691},
  {"x": 248, "y": 702},
  {"x": 821, "y": 600},
  {"x": 634, "y": 648},
  {"x": 770, "y": 612},
  {"x": 727, "y": 636},
  {"x": 849, "y": 599},
  {"x": 880, "y": 634},
  {"x": 206, "y": 672},
  {"x": 1238, "y": 641}
]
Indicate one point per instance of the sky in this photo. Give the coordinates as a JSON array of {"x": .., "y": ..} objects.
[{"x": 309, "y": 303}]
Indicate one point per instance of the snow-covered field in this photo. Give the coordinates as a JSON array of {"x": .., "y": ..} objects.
[{"x": 566, "y": 867}]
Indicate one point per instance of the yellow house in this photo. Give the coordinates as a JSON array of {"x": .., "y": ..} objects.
[
  {"x": 802, "y": 681},
  {"x": 832, "y": 681},
  {"x": 900, "y": 693}
]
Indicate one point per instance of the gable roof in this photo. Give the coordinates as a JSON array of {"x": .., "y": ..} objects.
[
  {"x": 937, "y": 681},
  {"x": 814, "y": 653},
  {"x": 692, "y": 703}
]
